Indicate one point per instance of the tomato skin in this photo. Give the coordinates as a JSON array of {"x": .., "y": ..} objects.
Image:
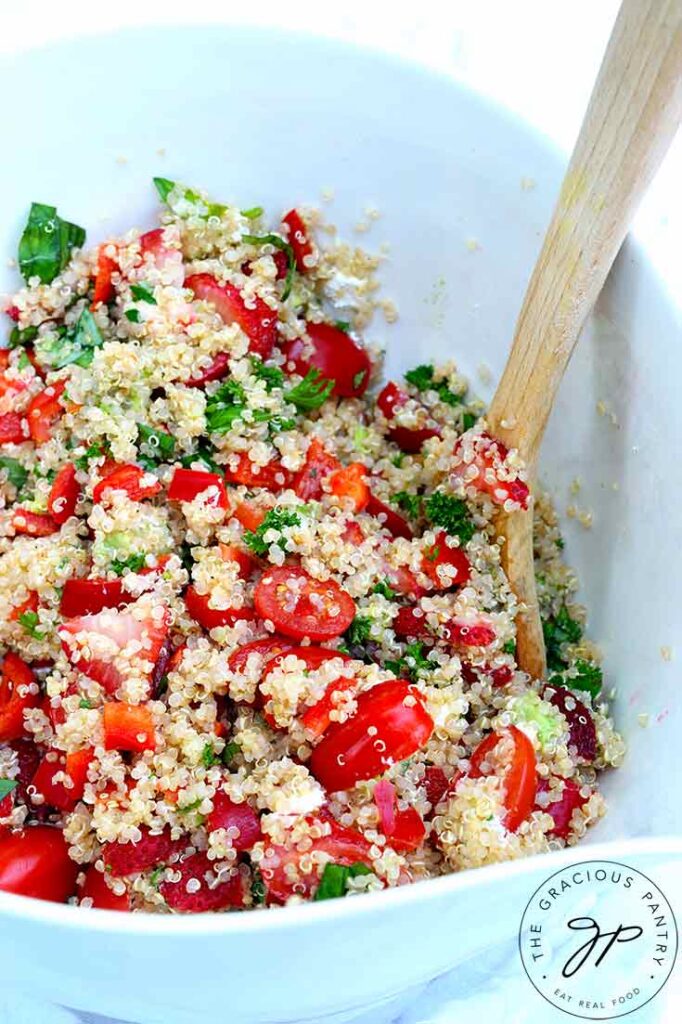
[
  {"x": 57, "y": 794},
  {"x": 335, "y": 355},
  {"x": 227, "y": 814},
  {"x": 274, "y": 477},
  {"x": 349, "y": 483},
  {"x": 461, "y": 633},
  {"x": 43, "y": 410},
  {"x": 391, "y": 521},
  {"x": 12, "y": 428},
  {"x": 200, "y": 610},
  {"x": 88, "y": 597},
  {"x": 61, "y": 503},
  {"x": 104, "y": 286},
  {"x": 401, "y": 730},
  {"x": 408, "y": 439},
  {"x": 127, "y": 478},
  {"x": 295, "y": 615},
  {"x": 33, "y": 524},
  {"x": 404, "y": 581},
  {"x": 298, "y": 239},
  {"x": 16, "y": 675},
  {"x": 128, "y": 727},
  {"x": 216, "y": 370},
  {"x": 315, "y": 717},
  {"x": 249, "y": 515},
  {"x": 319, "y": 464},
  {"x": 441, "y": 554},
  {"x": 186, "y": 484},
  {"x": 96, "y": 889},
  {"x": 267, "y": 647},
  {"x": 242, "y": 559},
  {"x": 436, "y": 784},
  {"x": 520, "y": 781},
  {"x": 257, "y": 320},
  {"x": 35, "y": 862}
]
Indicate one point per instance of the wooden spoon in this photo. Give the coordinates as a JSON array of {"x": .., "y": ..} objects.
[{"x": 634, "y": 111}]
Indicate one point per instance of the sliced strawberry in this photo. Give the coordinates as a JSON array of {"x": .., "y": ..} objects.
[
  {"x": 227, "y": 814},
  {"x": 210, "y": 894},
  {"x": 274, "y": 477},
  {"x": 200, "y": 609},
  {"x": 582, "y": 731},
  {"x": 138, "y": 483},
  {"x": 319, "y": 465},
  {"x": 411, "y": 622},
  {"x": 123, "y": 859},
  {"x": 154, "y": 246},
  {"x": 13, "y": 428},
  {"x": 389, "y": 519},
  {"x": 562, "y": 810},
  {"x": 257, "y": 319},
  {"x": 61, "y": 503},
  {"x": 87, "y": 597},
  {"x": 447, "y": 566},
  {"x": 298, "y": 240},
  {"x": 43, "y": 410},
  {"x": 466, "y": 633},
  {"x": 435, "y": 784},
  {"x": 218, "y": 368},
  {"x": 55, "y": 792},
  {"x": 481, "y": 461},
  {"x": 404, "y": 581},
  {"x": 33, "y": 524}
]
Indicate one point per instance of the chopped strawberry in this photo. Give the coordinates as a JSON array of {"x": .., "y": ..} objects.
[
  {"x": 218, "y": 368},
  {"x": 319, "y": 464},
  {"x": 582, "y": 731},
  {"x": 389, "y": 519},
  {"x": 135, "y": 481},
  {"x": 94, "y": 642},
  {"x": 13, "y": 428},
  {"x": 404, "y": 829},
  {"x": 199, "y": 607},
  {"x": 123, "y": 859},
  {"x": 254, "y": 316},
  {"x": 435, "y": 784},
  {"x": 501, "y": 675},
  {"x": 128, "y": 727},
  {"x": 411, "y": 622},
  {"x": 404, "y": 581},
  {"x": 87, "y": 597},
  {"x": 274, "y": 477},
  {"x": 227, "y": 814},
  {"x": 447, "y": 566},
  {"x": 55, "y": 792},
  {"x": 33, "y": 524},
  {"x": 281, "y": 261},
  {"x": 211, "y": 894},
  {"x": 463, "y": 633},
  {"x": 61, "y": 503},
  {"x": 43, "y": 410},
  {"x": 154, "y": 246},
  {"x": 562, "y": 810},
  {"x": 104, "y": 286},
  {"x": 298, "y": 240},
  {"x": 482, "y": 462}
]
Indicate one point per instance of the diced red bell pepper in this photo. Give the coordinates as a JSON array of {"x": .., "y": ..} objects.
[
  {"x": 61, "y": 503},
  {"x": 334, "y": 355},
  {"x": 128, "y": 727},
  {"x": 256, "y": 319},
  {"x": 319, "y": 464},
  {"x": 201, "y": 611},
  {"x": 138, "y": 483},
  {"x": 186, "y": 484},
  {"x": 15, "y": 696},
  {"x": 227, "y": 814},
  {"x": 43, "y": 410},
  {"x": 104, "y": 286},
  {"x": 274, "y": 477},
  {"x": 298, "y": 240}
]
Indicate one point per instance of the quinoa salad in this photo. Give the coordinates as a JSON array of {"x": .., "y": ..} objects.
[{"x": 256, "y": 643}]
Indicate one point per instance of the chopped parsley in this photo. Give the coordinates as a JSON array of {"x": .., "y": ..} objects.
[
  {"x": 204, "y": 453},
  {"x": 16, "y": 474},
  {"x": 359, "y": 379},
  {"x": 335, "y": 878},
  {"x": 191, "y": 807},
  {"x": 230, "y": 752},
  {"x": 342, "y": 325},
  {"x": 225, "y": 406},
  {"x": 71, "y": 345},
  {"x": 271, "y": 375},
  {"x": 133, "y": 315},
  {"x": 411, "y": 662},
  {"x": 209, "y": 758},
  {"x": 253, "y": 213},
  {"x": 589, "y": 677},
  {"x": 85, "y": 704},
  {"x": 258, "y": 891},
  {"x": 23, "y": 361},
  {"x": 558, "y": 630},
  {"x": 93, "y": 452},
  {"x": 46, "y": 243},
  {"x": 468, "y": 420},
  {"x": 22, "y": 336},
  {"x": 509, "y": 647},
  {"x": 133, "y": 562},
  {"x": 7, "y": 786},
  {"x": 450, "y": 513},
  {"x": 278, "y": 243},
  {"x": 422, "y": 377},
  {"x": 276, "y": 519},
  {"x": 409, "y": 503},
  {"x": 142, "y": 294},
  {"x": 155, "y": 446},
  {"x": 358, "y": 633},
  {"x": 385, "y": 589},
  {"x": 311, "y": 393},
  {"x": 398, "y": 460},
  {"x": 156, "y": 875},
  {"x": 30, "y": 620}
]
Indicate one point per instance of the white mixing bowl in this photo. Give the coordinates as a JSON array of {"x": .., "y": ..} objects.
[{"x": 264, "y": 118}]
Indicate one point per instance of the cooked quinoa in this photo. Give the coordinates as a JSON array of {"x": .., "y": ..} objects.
[{"x": 258, "y": 645}]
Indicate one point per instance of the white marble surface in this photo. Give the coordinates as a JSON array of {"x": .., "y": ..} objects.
[{"x": 539, "y": 58}]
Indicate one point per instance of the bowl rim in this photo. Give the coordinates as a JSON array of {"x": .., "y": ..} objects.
[{"x": 307, "y": 914}]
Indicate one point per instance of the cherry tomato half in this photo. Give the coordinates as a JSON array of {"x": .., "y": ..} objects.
[
  {"x": 201, "y": 611},
  {"x": 319, "y": 464},
  {"x": 95, "y": 888},
  {"x": 301, "y": 606},
  {"x": 520, "y": 779},
  {"x": 35, "y": 862},
  {"x": 61, "y": 503},
  {"x": 87, "y": 597},
  {"x": 335, "y": 355},
  {"x": 186, "y": 484},
  {"x": 15, "y": 697}
]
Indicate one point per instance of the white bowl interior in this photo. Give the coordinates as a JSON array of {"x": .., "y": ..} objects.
[{"x": 268, "y": 119}]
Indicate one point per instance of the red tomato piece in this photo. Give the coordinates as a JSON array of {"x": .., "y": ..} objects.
[
  {"x": 349, "y": 482},
  {"x": 249, "y": 515},
  {"x": 152, "y": 849},
  {"x": 298, "y": 240},
  {"x": 55, "y": 792},
  {"x": 352, "y": 533},
  {"x": 186, "y": 484},
  {"x": 257, "y": 319},
  {"x": 28, "y": 759},
  {"x": 316, "y": 717},
  {"x": 13, "y": 428},
  {"x": 582, "y": 731},
  {"x": 218, "y": 368},
  {"x": 335, "y": 355},
  {"x": 33, "y": 524},
  {"x": 300, "y": 606},
  {"x": 312, "y": 656},
  {"x": 104, "y": 286},
  {"x": 562, "y": 810},
  {"x": 35, "y": 862},
  {"x": 494, "y": 476},
  {"x": 319, "y": 464},
  {"x": 274, "y": 477},
  {"x": 29, "y": 605},
  {"x": 242, "y": 559},
  {"x": 447, "y": 566},
  {"x": 227, "y": 814},
  {"x": 13, "y": 312},
  {"x": 61, "y": 503},
  {"x": 411, "y": 622},
  {"x": 463, "y": 633},
  {"x": 96, "y": 890},
  {"x": 408, "y": 439},
  {"x": 264, "y": 649},
  {"x": 43, "y": 410},
  {"x": 16, "y": 696},
  {"x": 87, "y": 597},
  {"x": 349, "y": 752},
  {"x": 137, "y": 483},
  {"x": 404, "y": 829},
  {"x": 154, "y": 244},
  {"x": 390, "y": 520},
  {"x": 404, "y": 581},
  {"x": 501, "y": 675},
  {"x": 201, "y": 611},
  {"x": 520, "y": 778},
  {"x": 128, "y": 727},
  {"x": 227, "y": 893}
]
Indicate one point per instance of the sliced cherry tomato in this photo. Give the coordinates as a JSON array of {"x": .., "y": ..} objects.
[
  {"x": 186, "y": 484},
  {"x": 218, "y": 368},
  {"x": 274, "y": 477},
  {"x": 257, "y": 319},
  {"x": 494, "y": 476},
  {"x": 98, "y": 893},
  {"x": 335, "y": 355},
  {"x": 43, "y": 410},
  {"x": 13, "y": 428},
  {"x": 152, "y": 849},
  {"x": 249, "y": 515},
  {"x": 16, "y": 696},
  {"x": 298, "y": 240},
  {"x": 390, "y": 724},
  {"x": 128, "y": 727},
  {"x": 61, "y": 504},
  {"x": 242, "y": 559},
  {"x": 87, "y": 597},
  {"x": 404, "y": 581},
  {"x": 300, "y": 606},
  {"x": 349, "y": 482},
  {"x": 31, "y": 604},
  {"x": 264, "y": 649},
  {"x": 104, "y": 286},
  {"x": 447, "y": 566},
  {"x": 562, "y": 810},
  {"x": 404, "y": 829},
  {"x": 582, "y": 731},
  {"x": 200, "y": 609},
  {"x": 319, "y": 464},
  {"x": 390, "y": 520},
  {"x": 520, "y": 778},
  {"x": 33, "y": 524},
  {"x": 137, "y": 483},
  {"x": 281, "y": 867},
  {"x": 408, "y": 439},
  {"x": 184, "y": 898},
  {"x": 227, "y": 814},
  {"x": 55, "y": 792},
  {"x": 35, "y": 862}
]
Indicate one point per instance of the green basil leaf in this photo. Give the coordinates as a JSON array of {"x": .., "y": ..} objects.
[
  {"x": 164, "y": 187},
  {"x": 16, "y": 474},
  {"x": 46, "y": 243},
  {"x": 7, "y": 786}
]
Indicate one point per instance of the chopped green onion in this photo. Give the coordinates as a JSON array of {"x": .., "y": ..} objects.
[
  {"x": 155, "y": 446},
  {"x": 253, "y": 213},
  {"x": 133, "y": 315},
  {"x": 335, "y": 878},
  {"x": 164, "y": 187}
]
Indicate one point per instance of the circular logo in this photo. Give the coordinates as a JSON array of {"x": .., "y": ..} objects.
[{"x": 598, "y": 939}]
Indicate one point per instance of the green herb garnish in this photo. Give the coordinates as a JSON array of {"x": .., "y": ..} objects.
[
  {"x": 253, "y": 213},
  {"x": 385, "y": 589},
  {"x": 558, "y": 630},
  {"x": 16, "y": 474},
  {"x": 93, "y": 452},
  {"x": 335, "y": 878},
  {"x": 409, "y": 503},
  {"x": 422, "y": 377},
  {"x": 276, "y": 519},
  {"x": 209, "y": 758},
  {"x": 142, "y": 294},
  {"x": 358, "y": 633},
  {"x": 272, "y": 375},
  {"x": 204, "y": 453},
  {"x": 509, "y": 647},
  {"x": 468, "y": 420},
  {"x": 230, "y": 751},
  {"x": 311, "y": 393},
  {"x": 450, "y": 513},
  {"x": 46, "y": 243},
  {"x": 589, "y": 678},
  {"x": 258, "y": 891},
  {"x": 283, "y": 246},
  {"x": 359, "y": 379},
  {"x": 411, "y": 662},
  {"x": 133, "y": 315},
  {"x": 75, "y": 345},
  {"x": 164, "y": 187},
  {"x": 30, "y": 620},
  {"x": 342, "y": 325},
  {"x": 22, "y": 336},
  {"x": 225, "y": 406},
  {"x": 155, "y": 446},
  {"x": 7, "y": 786},
  {"x": 85, "y": 704},
  {"x": 133, "y": 562}
]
